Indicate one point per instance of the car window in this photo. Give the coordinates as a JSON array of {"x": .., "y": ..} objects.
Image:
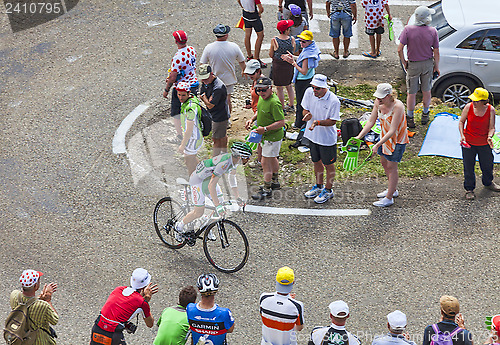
[
  {"x": 471, "y": 41},
  {"x": 491, "y": 41},
  {"x": 440, "y": 23}
]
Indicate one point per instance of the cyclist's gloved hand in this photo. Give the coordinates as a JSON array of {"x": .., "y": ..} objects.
[{"x": 220, "y": 210}]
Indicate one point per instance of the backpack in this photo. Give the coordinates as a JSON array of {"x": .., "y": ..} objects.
[
  {"x": 205, "y": 122},
  {"x": 350, "y": 128},
  {"x": 17, "y": 330},
  {"x": 441, "y": 338}
]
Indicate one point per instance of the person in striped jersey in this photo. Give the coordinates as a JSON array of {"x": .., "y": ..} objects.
[
  {"x": 41, "y": 313},
  {"x": 282, "y": 315},
  {"x": 393, "y": 138}
]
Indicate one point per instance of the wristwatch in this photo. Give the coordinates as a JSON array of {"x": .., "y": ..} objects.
[{"x": 265, "y": 129}]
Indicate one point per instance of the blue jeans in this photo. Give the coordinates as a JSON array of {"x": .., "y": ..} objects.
[
  {"x": 338, "y": 19},
  {"x": 485, "y": 163}
]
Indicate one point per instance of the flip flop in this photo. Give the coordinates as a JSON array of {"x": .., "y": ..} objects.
[
  {"x": 379, "y": 53},
  {"x": 366, "y": 54},
  {"x": 345, "y": 56},
  {"x": 336, "y": 56}
]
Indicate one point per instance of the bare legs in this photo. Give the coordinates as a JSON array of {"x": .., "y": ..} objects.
[
  {"x": 258, "y": 43},
  {"x": 319, "y": 170},
  {"x": 391, "y": 170}
]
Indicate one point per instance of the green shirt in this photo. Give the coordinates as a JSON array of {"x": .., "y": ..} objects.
[
  {"x": 173, "y": 327},
  {"x": 270, "y": 111},
  {"x": 41, "y": 316},
  {"x": 191, "y": 111}
]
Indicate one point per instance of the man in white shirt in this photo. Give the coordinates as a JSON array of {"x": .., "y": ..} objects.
[
  {"x": 282, "y": 315},
  {"x": 335, "y": 334},
  {"x": 222, "y": 56},
  {"x": 321, "y": 111}
]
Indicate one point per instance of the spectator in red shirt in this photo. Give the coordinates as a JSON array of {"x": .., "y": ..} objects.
[
  {"x": 476, "y": 140},
  {"x": 122, "y": 305}
]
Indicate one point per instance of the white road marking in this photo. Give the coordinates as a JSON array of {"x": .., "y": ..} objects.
[
  {"x": 71, "y": 59},
  {"x": 410, "y": 3},
  {"x": 119, "y": 145},
  {"x": 155, "y": 23},
  {"x": 307, "y": 211}
]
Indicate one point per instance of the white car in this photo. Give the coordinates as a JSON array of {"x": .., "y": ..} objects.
[{"x": 469, "y": 45}]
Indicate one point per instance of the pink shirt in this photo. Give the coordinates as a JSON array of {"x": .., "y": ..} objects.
[{"x": 420, "y": 40}]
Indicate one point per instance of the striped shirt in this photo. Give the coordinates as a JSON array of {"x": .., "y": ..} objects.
[
  {"x": 41, "y": 316},
  {"x": 279, "y": 315},
  {"x": 400, "y": 137}
]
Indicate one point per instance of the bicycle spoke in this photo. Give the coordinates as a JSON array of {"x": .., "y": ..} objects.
[{"x": 229, "y": 251}]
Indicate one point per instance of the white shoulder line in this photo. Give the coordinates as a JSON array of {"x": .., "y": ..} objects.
[
  {"x": 119, "y": 138},
  {"x": 308, "y": 211}
]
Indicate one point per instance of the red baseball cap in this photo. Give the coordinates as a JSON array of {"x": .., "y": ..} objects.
[
  {"x": 284, "y": 24},
  {"x": 180, "y": 36},
  {"x": 495, "y": 321}
]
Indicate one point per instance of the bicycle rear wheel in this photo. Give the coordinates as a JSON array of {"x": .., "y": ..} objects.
[
  {"x": 167, "y": 212},
  {"x": 229, "y": 251}
]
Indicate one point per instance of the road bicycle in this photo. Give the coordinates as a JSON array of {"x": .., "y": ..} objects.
[{"x": 224, "y": 242}]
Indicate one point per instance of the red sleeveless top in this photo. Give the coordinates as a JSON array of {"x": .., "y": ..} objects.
[{"x": 477, "y": 128}]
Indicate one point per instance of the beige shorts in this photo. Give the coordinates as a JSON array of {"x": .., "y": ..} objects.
[
  {"x": 230, "y": 89},
  {"x": 419, "y": 72},
  {"x": 219, "y": 130},
  {"x": 271, "y": 148}
]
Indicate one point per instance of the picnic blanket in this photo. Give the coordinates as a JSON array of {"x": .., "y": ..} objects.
[{"x": 443, "y": 137}]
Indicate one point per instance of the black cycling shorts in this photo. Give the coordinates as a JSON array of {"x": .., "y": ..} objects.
[
  {"x": 101, "y": 337},
  {"x": 252, "y": 20}
]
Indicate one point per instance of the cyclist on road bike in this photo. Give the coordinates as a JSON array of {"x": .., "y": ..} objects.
[
  {"x": 204, "y": 180},
  {"x": 206, "y": 318}
]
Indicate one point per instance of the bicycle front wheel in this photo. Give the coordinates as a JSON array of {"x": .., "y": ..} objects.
[
  {"x": 226, "y": 248},
  {"x": 167, "y": 212}
]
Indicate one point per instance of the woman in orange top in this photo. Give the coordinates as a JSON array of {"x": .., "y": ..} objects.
[
  {"x": 393, "y": 138},
  {"x": 476, "y": 141}
]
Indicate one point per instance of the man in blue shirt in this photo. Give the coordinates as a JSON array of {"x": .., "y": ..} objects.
[{"x": 206, "y": 318}]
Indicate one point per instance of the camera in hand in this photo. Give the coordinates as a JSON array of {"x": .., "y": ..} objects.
[{"x": 130, "y": 327}]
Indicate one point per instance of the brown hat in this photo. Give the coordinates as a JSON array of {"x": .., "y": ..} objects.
[{"x": 449, "y": 305}]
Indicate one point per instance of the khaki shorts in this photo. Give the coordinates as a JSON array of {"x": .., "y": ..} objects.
[
  {"x": 419, "y": 71},
  {"x": 219, "y": 130},
  {"x": 230, "y": 89},
  {"x": 271, "y": 148}
]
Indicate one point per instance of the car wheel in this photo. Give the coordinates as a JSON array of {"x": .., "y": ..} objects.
[{"x": 456, "y": 90}]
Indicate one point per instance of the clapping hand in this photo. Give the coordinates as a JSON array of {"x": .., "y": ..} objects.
[{"x": 47, "y": 291}]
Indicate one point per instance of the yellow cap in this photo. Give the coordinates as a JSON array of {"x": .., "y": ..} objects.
[
  {"x": 285, "y": 276},
  {"x": 306, "y": 35},
  {"x": 479, "y": 94}
]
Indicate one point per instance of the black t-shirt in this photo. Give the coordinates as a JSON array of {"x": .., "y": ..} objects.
[
  {"x": 462, "y": 338},
  {"x": 217, "y": 90},
  {"x": 300, "y": 3}
]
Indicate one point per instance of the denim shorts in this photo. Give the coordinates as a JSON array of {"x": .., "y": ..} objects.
[
  {"x": 338, "y": 19},
  {"x": 396, "y": 156}
]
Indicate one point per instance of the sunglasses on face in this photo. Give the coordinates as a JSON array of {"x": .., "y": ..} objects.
[
  {"x": 302, "y": 41},
  {"x": 316, "y": 88},
  {"x": 261, "y": 90}
]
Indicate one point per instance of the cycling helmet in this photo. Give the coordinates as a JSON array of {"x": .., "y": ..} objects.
[
  {"x": 208, "y": 283},
  {"x": 241, "y": 149}
]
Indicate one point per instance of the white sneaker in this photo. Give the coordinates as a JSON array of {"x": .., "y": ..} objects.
[
  {"x": 178, "y": 232},
  {"x": 384, "y": 193},
  {"x": 323, "y": 196},
  {"x": 383, "y": 202},
  {"x": 314, "y": 192},
  {"x": 211, "y": 235}
]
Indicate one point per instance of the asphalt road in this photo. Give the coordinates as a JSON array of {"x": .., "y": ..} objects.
[{"x": 71, "y": 209}]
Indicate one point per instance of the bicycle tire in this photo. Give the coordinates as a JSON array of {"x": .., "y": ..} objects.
[
  {"x": 234, "y": 255},
  {"x": 166, "y": 213}
]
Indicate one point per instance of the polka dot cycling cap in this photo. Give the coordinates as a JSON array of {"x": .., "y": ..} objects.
[{"x": 29, "y": 278}]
